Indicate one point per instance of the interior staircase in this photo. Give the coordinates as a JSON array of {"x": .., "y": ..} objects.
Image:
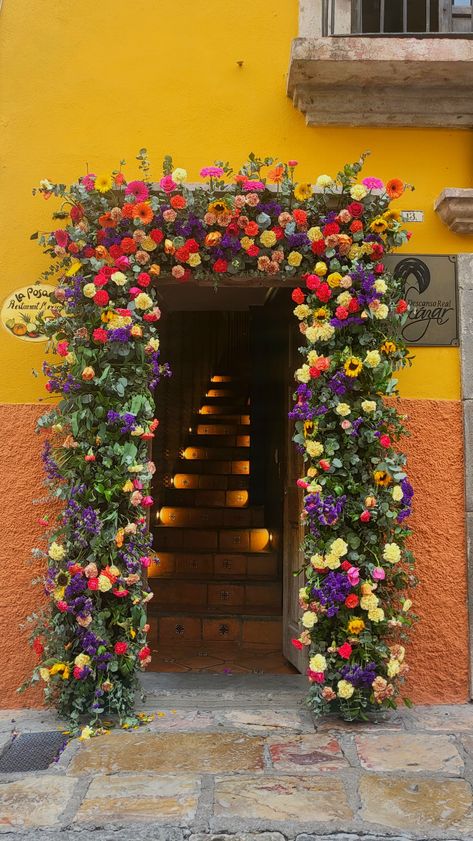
[{"x": 215, "y": 575}]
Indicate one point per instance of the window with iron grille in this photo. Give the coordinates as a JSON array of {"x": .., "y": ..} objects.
[{"x": 397, "y": 17}]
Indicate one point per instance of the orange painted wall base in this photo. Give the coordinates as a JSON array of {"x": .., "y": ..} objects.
[{"x": 438, "y": 654}]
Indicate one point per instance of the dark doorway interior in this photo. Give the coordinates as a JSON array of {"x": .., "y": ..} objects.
[{"x": 220, "y": 453}]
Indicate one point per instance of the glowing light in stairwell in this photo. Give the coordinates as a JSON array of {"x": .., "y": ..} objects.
[
  {"x": 158, "y": 514},
  {"x": 172, "y": 480}
]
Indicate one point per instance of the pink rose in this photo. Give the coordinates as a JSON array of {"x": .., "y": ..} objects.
[
  {"x": 345, "y": 424},
  {"x": 91, "y": 571},
  {"x": 167, "y": 184},
  {"x": 145, "y": 561},
  {"x": 353, "y": 576},
  {"x": 147, "y": 501},
  {"x": 136, "y": 497},
  {"x": 385, "y": 441},
  {"x": 378, "y": 574},
  {"x": 62, "y": 606}
]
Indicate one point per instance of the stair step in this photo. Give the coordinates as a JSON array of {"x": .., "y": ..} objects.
[
  {"x": 237, "y": 467},
  {"x": 224, "y": 378},
  {"x": 230, "y": 404},
  {"x": 173, "y": 517},
  {"x": 232, "y": 390},
  {"x": 213, "y": 430},
  {"x": 222, "y": 419},
  {"x": 202, "y": 439},
  {"x": 207, "y": 498},
  {"x": 212, "y": 453},
  {"x": 226, "y": 565},
  {"x": 180, "y": 628},
  {"x": 196, "y": 596},
  {"x": 192, "y": 481},
  {"x": 222, "y": 409},
  {"x": 226, "y": 540}
]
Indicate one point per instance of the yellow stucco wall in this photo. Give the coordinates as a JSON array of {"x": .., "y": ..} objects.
[{"x": 92, "y": 82}]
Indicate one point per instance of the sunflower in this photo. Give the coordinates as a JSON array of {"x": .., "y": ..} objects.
[
  {"x": 392, "y": 215},
  {"x": 388, "y": 347},
  {"x": 103, "y": 183},
  {"x": 382, "y": 478},
  {"x": 308, "y": 428},
  {"x": 353, "y": 366},
  {"x": 321, "y": 314},
  {"x": 217, "y": 207},
  {"x": 303, "y": 192},
  {"x": 379, "y": 225},
  {"x": 395, "y": 188},
  {"x": 144, "y": 212}
]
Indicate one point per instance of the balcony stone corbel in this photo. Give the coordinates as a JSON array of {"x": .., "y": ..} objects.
[{"x": 455, "y": 208}]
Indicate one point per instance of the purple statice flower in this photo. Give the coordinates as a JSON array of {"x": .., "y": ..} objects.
[
  {"x": 355, "y": 427},
  {"x": 127, "y": 419},
  {"x": 302, "y": 411},
  {"x": 346, "y": 322},
  {"x": 330, "y": 217},
  {"x": 303, "y": 391},
  {"x": 359, "y": 676},
  {"x": 298, "y": 240},
  {"x": 324, "y": 511},
  {"x": 332, "y": 592},
  {"x": 408, "y": 493},
  {"x": 50, "y": 466},
  {"x": 339, "y": 383},
  {"x": 119, "y": 334},
  {"x": 73, "y": 295},
  {"x": 272, "y": 208}
]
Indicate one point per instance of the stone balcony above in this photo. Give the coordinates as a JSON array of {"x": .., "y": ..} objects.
[
  {"x": 455, "y": 208},
  {"x": 383, "y": 81},
  {"x": 380, "y": 63}
]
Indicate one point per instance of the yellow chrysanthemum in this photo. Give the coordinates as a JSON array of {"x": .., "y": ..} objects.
[
  {"x": 379, "y": 225},
  {"x": 103, "y": 183},
  {"x": 382, "y": 478},
  {"x": 356, "y": 626}
]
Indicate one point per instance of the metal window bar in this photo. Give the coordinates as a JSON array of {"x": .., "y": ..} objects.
[{"x": 449, "y": 12}]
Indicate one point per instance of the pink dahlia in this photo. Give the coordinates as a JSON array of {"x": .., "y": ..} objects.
[{"x": 138, "y": 190}]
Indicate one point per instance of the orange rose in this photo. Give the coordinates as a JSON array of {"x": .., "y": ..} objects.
[
  {"x": 178, "y": 202},
  {"x": 213, "y": 239},
  {"x": 88, "y": 373}
]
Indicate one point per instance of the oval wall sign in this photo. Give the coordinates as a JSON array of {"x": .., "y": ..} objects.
[{"x": 23, "y": 310}]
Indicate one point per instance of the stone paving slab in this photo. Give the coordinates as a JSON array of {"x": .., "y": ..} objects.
[
  {"x": 34, "y": 801},
  {"x": 151, "y": 798},
  {"x": 268, "y": 720},
  {"x": 416, "y": 805},
  {"x": 170, "y": 752},
  {"x": 409, "y": 752},
  {"x": 309, "y": 753},
  {"x": 282, "y": 798}
]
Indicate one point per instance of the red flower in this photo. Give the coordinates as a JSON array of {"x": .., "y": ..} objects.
[
  {"x": 251, "y": 229},
  {"x": 73, "y": 248},
  {"x": 318, "y": 247},
  {"x": 119, "y": 593},
  {"x": 252, "y": 251},
  {"x": 377, "y": 250},
  {"x": 401, "y": 306},
  {"x": 341, "y": 313},
  {"x": 182, "y": 254},
  {"x": 278, "y": 231},
  {"x": 76, "y": 213},
  {"x": 345, "y": 650},
  {"x": 379, "y": 268},
  {"x": 356, "y": 226},
  {"x": 356, "y": 209},
  {"x": 365, "y": 516},
  {"x": 178, "y": 202},
  {"x": 331, "y": 228},
  {"x": 300, "y": 216},
  {"x": 144, "y": 653},
  {"x": 351, "y": 600},
  {"x": 38, "y": 646},
  {"x": 192, "y": 245},
  {"x": 156, "y": 235},
  {"x": 62, "y": 607},
  {"x": 100, "y": 280},
  {"x": 101, "y": 298},
  {"x": 324, "y": 464},
  {"x": 315, "y": 677},
  {"x": 220, "y": 266},
  {"x": 298, "y": 296},
  {"x": 312, "y": 282},
  {"x": 345, "y": 565},
  {"x": 88, "y": 251},
  {"x": 120, "y": 647},
  {"x": 115, "y": 251},
  {"x": 297, "y": 644},
  {"x": 324, "y": 293},
  {"x": 385, "y": 441},
  {"x": 77, "y": 672},
  {"x": 314, "y": 372},
  {"x": 353, "y": 306},
  {"x": 89, "y": 457},
  {"x": 128, "y": 245},
  {"x": 93, "y": 584},
  {"x": 143, "y": 280}
]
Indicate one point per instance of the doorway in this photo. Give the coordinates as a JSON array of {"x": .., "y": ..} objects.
[{"x": 226, "y": 527}]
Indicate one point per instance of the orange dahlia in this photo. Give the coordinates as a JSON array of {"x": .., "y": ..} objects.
[
  {"x": 395, "y": 188},
  {"x": 143, "y": 211}
]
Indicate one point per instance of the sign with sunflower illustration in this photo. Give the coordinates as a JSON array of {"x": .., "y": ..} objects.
[{"x": 24, "y": 311}]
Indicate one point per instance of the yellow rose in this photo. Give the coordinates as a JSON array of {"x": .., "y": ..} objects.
[
  {"x": 128, "y": 486},
  {"x": 320, "y": 269},
  {"x": 89, "y": 290},
  {"x": 318, "y": 663},
  {"x": 246, "y": 242},
  {"x": 153, "y": 344},
  {"x": 381, "y": 312},
  {"x": 339, "y": 547},
  {"x": 358, "y": 192},
  {"x": 302, "y": 375},
  {"x": 56, "y": 552},
  {"x": 301, "y": 311},
  {"x": 143, "y": 301},
  {"x": 136, "y": 331},
  {"x": 294, "y": 258},
  {"x": 268, "y": 238},
  {"x": 369, "y": 602},
  {"x": 309, "y": 619},
  {"x": 372, "y": 359},
  {"x": 407, "y": 604},
  {"x": 303, "y": 594},
  {"x": 397, "y": 493},
  {"x": 368, "y": 406},
  {"x": 82, "y": 660},
  {"x": 344, "y": 299},
  {"x": 343, "y": 409},
  {"x": 194, "y": 260},
  {"x": 104, "y": 583},
  {"x": 392, "y": 553},
  {"x": 314, "y": 448},
  {"x": 44, "y": 674},
  {"x": 326, "y": 332},
  {"x": 334, "y": 279},
  {"x": 332, "y": 561},
  {"x": 317, "y": 561},
  {"x": 393, "y": 668},
  {"x": 119, "y": 278},
  {"x": 315, "y": 234},
  {"x": 345, "y": 689},
  {"x": 376, "y": 614},
  {"x": 324, "y": 181},
  {"x": 380, "y": 286},
  {"x": 179, "y": 175}
]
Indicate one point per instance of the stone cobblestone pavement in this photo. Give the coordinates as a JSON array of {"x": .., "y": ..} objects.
[{"x": 226, "y": 774}]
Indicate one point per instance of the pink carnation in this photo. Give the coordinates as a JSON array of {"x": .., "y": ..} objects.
[
  {"x": 253, "y": 186},
  {"x": 211, "y": 172},
  {"x": 88, "y": 181},
  {"x": 373, "y": 183}
]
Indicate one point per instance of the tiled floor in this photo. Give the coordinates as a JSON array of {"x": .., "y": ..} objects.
[{"x": 220, "y": 658}]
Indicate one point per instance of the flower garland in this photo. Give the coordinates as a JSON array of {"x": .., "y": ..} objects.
[
  {"x": 115, "y": 240},
  {"x": 356, "y": 492}
]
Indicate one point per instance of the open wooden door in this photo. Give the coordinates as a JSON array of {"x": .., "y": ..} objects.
[{"x": 293, "y": 531}]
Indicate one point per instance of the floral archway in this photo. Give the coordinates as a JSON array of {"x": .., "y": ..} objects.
[{"x": 114, "y": 240}]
